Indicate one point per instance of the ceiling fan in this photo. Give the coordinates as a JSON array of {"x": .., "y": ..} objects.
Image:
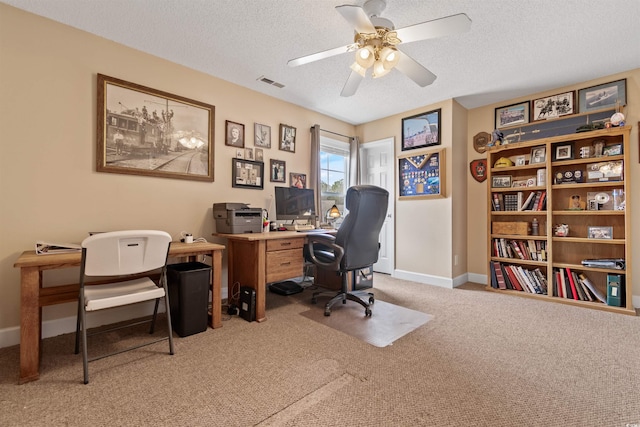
[{"x": 376, "y": 44}]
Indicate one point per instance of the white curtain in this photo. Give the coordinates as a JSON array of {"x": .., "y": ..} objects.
[{"x": 354, "y": 161}]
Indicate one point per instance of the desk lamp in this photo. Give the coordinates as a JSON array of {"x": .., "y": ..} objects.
[{"x": 333, "y": 214}]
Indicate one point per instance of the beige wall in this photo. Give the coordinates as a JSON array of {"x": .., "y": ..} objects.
[
  {"x": 49, "y": 188},
  {"x": 482, "y": 120}
]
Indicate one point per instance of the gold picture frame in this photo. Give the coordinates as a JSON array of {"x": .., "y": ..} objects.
[{"x": 148, "y": 132}]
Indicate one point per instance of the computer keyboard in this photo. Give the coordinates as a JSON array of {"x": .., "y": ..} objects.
[{"x": 300, "y": 227}]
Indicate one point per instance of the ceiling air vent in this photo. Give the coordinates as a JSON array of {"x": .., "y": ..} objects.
[{"x": 270, "y": 82}]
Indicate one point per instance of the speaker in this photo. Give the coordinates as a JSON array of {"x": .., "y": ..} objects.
[{"x": 247, "y": 303}]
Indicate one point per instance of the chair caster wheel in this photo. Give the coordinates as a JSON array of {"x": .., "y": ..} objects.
[
  {"x": 314, "y": 300},
  {"x": 327, "y": 313},
  {"x": 367, "y": 312},
  {"x": 372, "y": 300}
]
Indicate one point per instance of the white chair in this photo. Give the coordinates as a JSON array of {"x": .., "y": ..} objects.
[{"x": 128, "y": 255}]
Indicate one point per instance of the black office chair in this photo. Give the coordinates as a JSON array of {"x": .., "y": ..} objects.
[{"x": 355, "y": 245}]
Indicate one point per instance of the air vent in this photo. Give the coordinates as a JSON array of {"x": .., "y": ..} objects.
[{"x": 270, "y": 82}]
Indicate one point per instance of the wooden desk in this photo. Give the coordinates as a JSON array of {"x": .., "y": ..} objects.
[
  {"x": 255, "y": 259},
  {"x": 33, "y": 296}
]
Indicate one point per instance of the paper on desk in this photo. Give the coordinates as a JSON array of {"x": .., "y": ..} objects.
[{"x": 44, "y": 248}]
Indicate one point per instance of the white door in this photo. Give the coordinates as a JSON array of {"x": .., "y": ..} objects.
[{"x": 377, "y": 161}]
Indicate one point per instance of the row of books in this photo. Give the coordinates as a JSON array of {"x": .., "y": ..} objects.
[
  {"x": 535, "y": 201},
  {"x": 506, "y": 276},
  {"x": 533, "y": 250},
  {"x": 572, "y": 285}
]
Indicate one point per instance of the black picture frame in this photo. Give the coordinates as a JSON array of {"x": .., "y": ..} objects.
[
  {"x": 231, "y": 138},
  {"x": 604, "y": 96},
  {"x": 136, "y": 123},
  {"x": 414, "y": 130},
  {"x": 287, "y": 138},
  {"x": 277, "y": 170},
  {"x": 563, "y": 152},
  {"x": 553, "y": 106},
  {"x": 247, "y": 174}
]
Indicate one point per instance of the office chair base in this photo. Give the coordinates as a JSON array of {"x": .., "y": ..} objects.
[{"x": 344, "y": 296}]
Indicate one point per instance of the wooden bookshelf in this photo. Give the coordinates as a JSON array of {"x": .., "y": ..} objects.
[{"x": 563, "y": 207}]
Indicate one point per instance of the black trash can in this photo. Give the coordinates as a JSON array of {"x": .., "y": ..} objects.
[{"x": 189, "y": 296}]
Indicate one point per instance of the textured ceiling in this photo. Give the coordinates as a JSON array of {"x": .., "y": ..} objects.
[{"x": 514, "y": 48}]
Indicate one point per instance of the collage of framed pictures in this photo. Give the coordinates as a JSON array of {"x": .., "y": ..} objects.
[
  {"x": 247, "y": 174},
  {"x": 612, "y": 95}
]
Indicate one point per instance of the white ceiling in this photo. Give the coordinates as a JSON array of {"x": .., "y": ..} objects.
[{"x": 514, "y": 47}]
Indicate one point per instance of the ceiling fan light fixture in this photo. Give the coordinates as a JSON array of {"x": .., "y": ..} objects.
[
  {"x": 379, "y": 69},
  {"x": 358, "y": 69},
  {"x": 365, "y": 56},
  {"x": 389, "y": 57}
]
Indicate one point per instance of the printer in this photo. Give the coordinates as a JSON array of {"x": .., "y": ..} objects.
[{"x": 237, "y": 218}]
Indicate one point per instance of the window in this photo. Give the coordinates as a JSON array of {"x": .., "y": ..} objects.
[{"x": 334, "y": 174}]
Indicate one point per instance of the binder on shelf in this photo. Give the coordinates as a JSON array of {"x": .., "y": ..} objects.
[
  {"x": 615, "y": 289},
  {"x": 615, "y": 263}
]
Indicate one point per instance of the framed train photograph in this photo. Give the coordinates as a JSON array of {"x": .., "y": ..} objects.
[{"x": 145, "y": 131}]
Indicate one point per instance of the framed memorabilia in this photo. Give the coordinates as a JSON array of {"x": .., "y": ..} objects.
[
  {"x": 612, "y": 150},
  {"x": 421, "y": 130},
  {"x": 298, "y": 180},
  {"x": 240, "y": 153},
  {"x": 478, "y": 169},
  {"x": 553, "y": 106},
  {"x": 287, "y": 138},
  {"x": 511, "y": 115},
  {"x": 600, "y": 233},
  {"x": 521, "y": 160},
  {"x": 576, "y": 203},
  {"x": 259, "y": 155},
  {"x": 143, "y": 131},
  {"x": 538, "y": 155},
  {"x": 608, "y": 95},
  {"x": 422, "y": 176},
  {"x": 247, "y": 174},
  {"x": 262, "y": 135},
  {"x": 501, "y": 181},
  {"x": 234, "y": 134},
  {"x": 277, "y": 169},
  {"x": 563, "y": 152},
  {"x": 248, "y": 154}
]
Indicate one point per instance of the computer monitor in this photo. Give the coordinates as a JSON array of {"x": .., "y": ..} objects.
[{"x": 295, "y": 203}]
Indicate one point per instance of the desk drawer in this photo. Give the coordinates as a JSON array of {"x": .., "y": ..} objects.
[
  {"x": 280, "y": 244},
  {"x": 284, "y": 264}
]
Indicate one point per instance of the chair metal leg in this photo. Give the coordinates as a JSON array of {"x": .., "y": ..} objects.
[
  {"x": 85, "y": 353},
  {"x": 153, "y": 320},
  {"x": 77, "y": 348}
]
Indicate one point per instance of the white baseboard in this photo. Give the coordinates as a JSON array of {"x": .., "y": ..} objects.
[{"x": 477, "y": 278}]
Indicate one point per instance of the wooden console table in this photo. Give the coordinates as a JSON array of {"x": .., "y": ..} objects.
[{"x": 33, "y": 296}]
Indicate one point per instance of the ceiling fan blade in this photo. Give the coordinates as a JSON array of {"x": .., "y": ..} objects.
[
  {"x": 317, "y": 56},
  {"x": 437, "y": 28},
  {"x": 351, "y": 86},
  {"x": 415, "y": 71},
  {"x": 357, "y": 18}
]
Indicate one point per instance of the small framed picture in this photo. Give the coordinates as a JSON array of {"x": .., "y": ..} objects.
[
  {"x": 240, "y": 153},
  {"x": 521, "y": 160},
  {"x": 298, "y": 180},
  {"x": 608, "y": 95},
  {"x": 247, "y": 174},
  {"x": 612, "y": 150},
  {"x": 538, "y": 155},
  {"x": 501, "y": 181},
  {"x": 553, "y": 106},
  {"x": 576, "y": 203},
  {"x": 248, "y": 153},
  {"x": 277, "y": 170},
  {"x": 259, "y": 155},
  {"x": 564, "y": 152},
  {"x": 512, "y": 115},
  {"x": 287, "y": 138},
  {"x": 235, "y": 134},
  {"x": 600, "y": 233},
  {"x": 262, "y": 135}
]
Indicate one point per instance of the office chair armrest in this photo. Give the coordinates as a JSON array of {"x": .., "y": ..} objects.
[{"x": 327, "y": 241}]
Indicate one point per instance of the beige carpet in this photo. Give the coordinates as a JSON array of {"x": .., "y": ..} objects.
[
  {"x": 484, "y": 359},
  {"x": 387, "y": 323}
]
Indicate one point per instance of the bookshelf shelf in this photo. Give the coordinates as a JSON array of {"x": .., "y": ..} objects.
[{"x": 586, "y": 206}]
